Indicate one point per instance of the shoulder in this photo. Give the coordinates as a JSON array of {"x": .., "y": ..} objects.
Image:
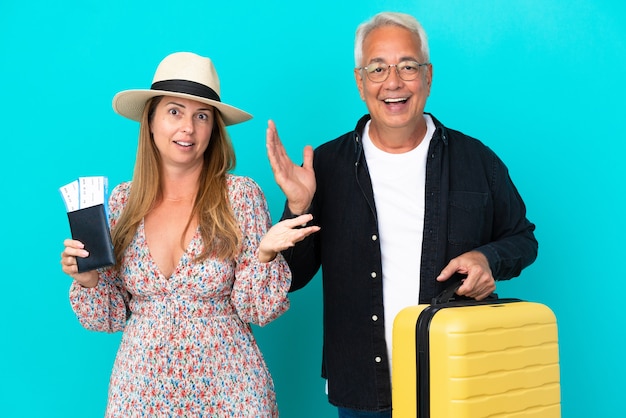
[
  {"x": 473, "y": 152},
  {"x": 246, "y": 197},
  {"x": 243, "y": 190},
  {"x": 344, "y": 146},
  {"x": 241, "y": 184},
  {"x": 348, "y": 142},
  {"x": 121, "y": 191},
  {"x": 464, "y": 144},
  {"x": 119, "y": 195},
  {"x": 340, "y": 143},
  {"x": 118, "y": 199}
]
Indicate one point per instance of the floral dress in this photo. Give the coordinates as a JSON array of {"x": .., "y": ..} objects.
[{"x": 187, "y": 347}]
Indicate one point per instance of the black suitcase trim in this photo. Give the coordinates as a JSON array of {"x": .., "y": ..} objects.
[{"x": 422, "y": 346}]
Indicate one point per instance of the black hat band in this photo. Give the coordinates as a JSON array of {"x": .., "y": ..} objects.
[{"x": 186, "y": 87}]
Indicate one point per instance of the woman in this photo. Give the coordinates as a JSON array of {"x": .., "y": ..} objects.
[{"x": 196, "y": 259}]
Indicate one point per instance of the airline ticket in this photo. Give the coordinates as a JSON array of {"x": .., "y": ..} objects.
[{"x": 85, "y": 192}]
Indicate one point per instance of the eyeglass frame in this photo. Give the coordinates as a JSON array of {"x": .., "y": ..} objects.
[{"x": 388, "y": 70}]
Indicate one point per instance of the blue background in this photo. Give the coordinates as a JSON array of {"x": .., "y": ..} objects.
[{"x": 539, "y": 81}]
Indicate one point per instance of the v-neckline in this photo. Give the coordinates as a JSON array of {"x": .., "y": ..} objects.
[{"x": 142, "y": 235}]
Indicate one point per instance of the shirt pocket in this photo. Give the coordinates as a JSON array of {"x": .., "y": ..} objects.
[{"x": 466, "y": 219}]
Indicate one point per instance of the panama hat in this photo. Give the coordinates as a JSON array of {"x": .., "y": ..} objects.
[{"x": 181, "y": 74}]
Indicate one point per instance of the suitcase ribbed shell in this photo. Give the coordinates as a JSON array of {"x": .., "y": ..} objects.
[{"x": 484, "y": 361}]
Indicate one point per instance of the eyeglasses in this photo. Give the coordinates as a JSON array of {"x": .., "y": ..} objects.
[{"x": 378, "y": 72}]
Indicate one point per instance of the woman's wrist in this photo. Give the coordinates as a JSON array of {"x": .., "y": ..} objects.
[{"x": 266, "y": 256}]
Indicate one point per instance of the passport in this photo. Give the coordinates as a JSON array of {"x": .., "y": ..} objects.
[
  {"x": 91, "y": 227},
  {"x": 85, "y": 201}
]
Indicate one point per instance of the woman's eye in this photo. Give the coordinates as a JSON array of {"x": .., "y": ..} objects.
[
  {"x": 203, "y": 116},
  {"x": 173, "y": 111}
]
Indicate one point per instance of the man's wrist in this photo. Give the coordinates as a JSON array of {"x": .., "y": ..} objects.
[{"x": 297, "y": 211}]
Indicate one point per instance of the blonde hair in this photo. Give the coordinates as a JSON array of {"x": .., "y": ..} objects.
[{"x": 218, "y": 227}]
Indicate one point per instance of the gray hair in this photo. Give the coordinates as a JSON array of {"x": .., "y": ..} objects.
[{"x": 389, "y": 19}]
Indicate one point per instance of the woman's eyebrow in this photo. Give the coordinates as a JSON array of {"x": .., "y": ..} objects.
[{"x": 183, "y": 106}]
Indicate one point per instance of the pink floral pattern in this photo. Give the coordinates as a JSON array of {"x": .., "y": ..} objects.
[{"x": 187, "y": 348}]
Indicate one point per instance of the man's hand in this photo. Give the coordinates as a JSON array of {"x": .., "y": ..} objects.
[
  {"x": 479, "y": 282},
  {"x": 297, "y": 183}
]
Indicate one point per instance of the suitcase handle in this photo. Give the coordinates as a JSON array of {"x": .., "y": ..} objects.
[{"x": 449, "y": 294}]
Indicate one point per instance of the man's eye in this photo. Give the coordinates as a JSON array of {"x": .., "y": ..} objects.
[{"x": 408, "y": 67}]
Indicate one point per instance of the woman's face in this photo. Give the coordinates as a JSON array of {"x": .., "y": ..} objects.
[{"x": 181, "y": 130}]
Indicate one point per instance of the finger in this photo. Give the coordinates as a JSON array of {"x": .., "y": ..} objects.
[
  {"x": 273, "y": 139},
  {"x": 298, "y": 221},
  {"x": 75, "y": 252},
  {"x": 69, "y": 265},
  {"x": 478, "y": 287},
  {"x": 271, "y": 126},
  {"x": 466, "y": 288},
  {"x": 295, "y": 236},
  {"x": 276, "y": 153},
  {"x": 305, "y": 232},
  {"x": 270, "y": 133},
  {"x": 482, "y": 295},
  {"x": 73, "y": 243},
  {"x": 307, "y": 157},
  {"x": 487, "y": 288},
  {"x": 448, "y": 271},
  {"x": 270, "y": 143},
  {"x": 475, "y": 281}
]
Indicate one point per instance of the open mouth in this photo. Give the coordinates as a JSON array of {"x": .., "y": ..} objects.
[
  {"x": 183, "y": 144},
  {"x": 396, "y": 100}
]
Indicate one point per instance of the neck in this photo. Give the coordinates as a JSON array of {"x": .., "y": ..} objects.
[
  {"x": 397, "y": 140},
  {"x": 181, "y": 186},
  {"x": 180, "y": 199}
]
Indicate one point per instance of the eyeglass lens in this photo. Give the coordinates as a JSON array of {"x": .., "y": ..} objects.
[{"x": 406, "y": 70}]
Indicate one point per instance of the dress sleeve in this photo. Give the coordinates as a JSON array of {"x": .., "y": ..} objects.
[
  {"x": 105, "y": 306},
  {"x": 260, "y": 289}
]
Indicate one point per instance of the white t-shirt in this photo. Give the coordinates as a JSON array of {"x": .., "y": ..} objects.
[{"x": 399, "y": 181}]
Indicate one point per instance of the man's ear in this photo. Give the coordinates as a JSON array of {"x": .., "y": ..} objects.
[{"x": 429, "y": 76}]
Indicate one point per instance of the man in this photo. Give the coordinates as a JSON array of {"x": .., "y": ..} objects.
[{"x": 404, "y": 204}]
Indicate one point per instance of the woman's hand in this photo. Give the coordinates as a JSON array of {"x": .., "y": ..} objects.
[
  {"x": 285, "y": 234},
  {"x": 69, "y": 265}
]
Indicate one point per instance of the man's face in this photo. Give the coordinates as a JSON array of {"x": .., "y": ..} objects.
[{"x": 394, "y": 103}]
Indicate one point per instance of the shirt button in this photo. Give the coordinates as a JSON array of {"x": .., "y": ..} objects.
[
  {"x": 373, "y": 275},
  {"x": 374, "y": 237},
  {"x": 374, "y": 317},
  {"x": 378, "y": 359}
]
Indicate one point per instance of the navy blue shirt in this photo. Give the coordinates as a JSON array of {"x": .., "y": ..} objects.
[{"x": 470, "y": 204}]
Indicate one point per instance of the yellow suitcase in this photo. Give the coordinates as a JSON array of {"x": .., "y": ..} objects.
[{"x": 468, "y": 359}]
